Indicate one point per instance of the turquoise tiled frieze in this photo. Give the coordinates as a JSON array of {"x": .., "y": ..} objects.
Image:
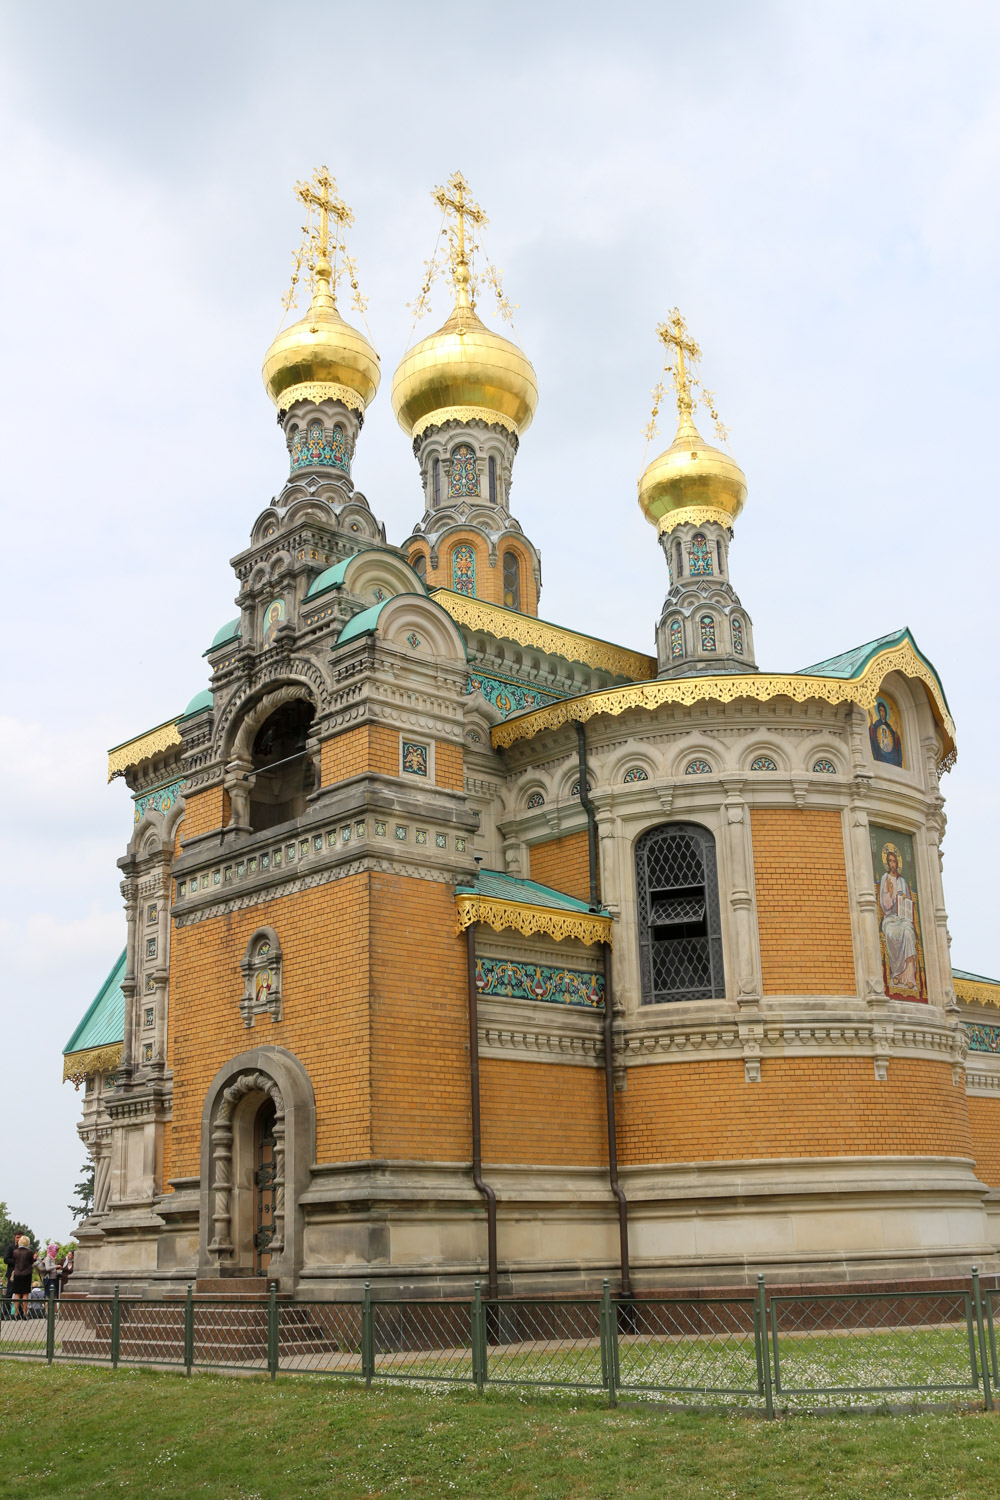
[
  {"x": 507, "y": 696},
  {"x": 522, "y": 981},
  {"x": 160, "y": 800},
  {"x": 983, "y": 1037}
]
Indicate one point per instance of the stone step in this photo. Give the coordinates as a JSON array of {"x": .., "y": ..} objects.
[{"x": 232, "y": 1286}]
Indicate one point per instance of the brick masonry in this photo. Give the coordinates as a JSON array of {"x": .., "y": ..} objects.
[{"x": 803, "y": 912}]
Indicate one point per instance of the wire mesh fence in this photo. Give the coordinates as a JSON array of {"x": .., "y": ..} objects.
[{"x": 754, "y": 1350}]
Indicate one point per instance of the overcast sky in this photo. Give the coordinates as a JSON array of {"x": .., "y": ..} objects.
[{"x": 817, "y": 186}]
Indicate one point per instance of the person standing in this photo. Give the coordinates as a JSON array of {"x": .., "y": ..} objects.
[
  {"x": 22, "y": 1263},
  {"x": 51, "y": 1272},
  {"x": 67, "y": 1270}
]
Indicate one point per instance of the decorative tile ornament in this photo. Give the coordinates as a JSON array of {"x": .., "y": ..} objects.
[
  {"x": 312, "y": 449},
  {"x": 763, "y": 763},
  {"x": 274, "y": 616},
  {"x": 506, "y": 696},
  {"x": 421, "y": 836},
  {"x": 676, "y": 638},
  {"x": 460, "y": 845},
  {"x": 894, "y": 872},
  {"x": 401, "y": 832},
  {"x": 345, "y": 834},
  {"x": 150, "y": 947},
  {"x": 380, "y": 830},
  {"x": 150, "y": 983},
  {"x": 738, "y": 637},
  {"x": 415, "y": 758},
  {"x": 699, "y": 557},
  {"x": 464, "y": 471},
  {"x": 635, "y": 773},
  {"x": 182, "y": 888},
  {"x": 463, "y": 570},
  {"x": 149, "y": 1016},
  {"x": 151, "y": 912},
  {"x": 885, "y": 731},
  {"x": 707, "y": 627},
  {"x": 522, "y": 981},
  {"x": 983, "y": 1037},
  {"x": 825, "y": 767},
  {"x": 261, "y": 966},
  {"x": 161, "y": 800},
  {"x": 147, "y": 1052},
  {"x": 474, "y": 736},
  {"x": 536, "y": 800},
  {"x": 413, "y": 640},
  {"x": 441, "y": 839},
  {"x": 574, "y": 790},
  {"x": 697, "y": 768},
  {"x": 360, "y": 829}
]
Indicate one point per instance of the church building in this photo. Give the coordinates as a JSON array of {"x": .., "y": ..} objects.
[{"x": 465, "y": 945}]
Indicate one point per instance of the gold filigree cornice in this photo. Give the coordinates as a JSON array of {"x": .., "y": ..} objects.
[
  {"x": 476, "y": 614},
  {"x": 317, "y": 391},
  {"x": 143, "y": 747},
  {"x": 694, "y": 515},
  {"x": 80, "y": 1065},
  {"x": 586, "y": 927},
  {"x": 975, "y": 992},
  {"x": 685, "y": 691},
  {"x": 464, "y": 414}
]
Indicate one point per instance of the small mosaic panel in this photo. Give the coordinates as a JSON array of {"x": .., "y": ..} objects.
[
  {"x": 360, "y": 829},
  {"x": 697, "y": 768},
  {"x": 463, "y": 570},
  {"x": 763, "y": 763},
  {"x": 161, "y": 800},
  {"x": 676, "y": 638},
  {"x": 635, "y": 773},
  {"x": 707, "y": 627},
  {"x": 274, "y": 616},
  {"x": 523, "y": 981},
  {"x": 509, "y": 697},
  {"x": 460, "y": 845},
  {"x": 474, "y": 736},
  {"x": 983, "y": 1037},
  {"x": 413, "y": 640},
  {"x": 464, "y": 471},
  {"x": 421, "y": 835},
  {"x": 738, "y": 637},
  {"x": 150, "y": 983},
  {"x": 313, "y": 449},
  {"x": 415, "y": 758},
  {"x": 885, "y": 731},
  {"x": 149, "y": 1016},
  {"x": 699, "y": 557},
  {"x": 895, "y": 877},
  {"x": 536, "y": 800},
  {"x": 826, "y": 767},
  {"x": 441, "y": 839},
  {"x": 151, "y": 912},
  {"x": 380, "y": 830},
  {"x": 574, "y": 790},
  {"x": 150, "y": 947},
  {"x": 147, "y": 1052},
  {"x": 401, "y": 832}
]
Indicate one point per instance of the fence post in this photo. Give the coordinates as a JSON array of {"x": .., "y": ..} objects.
[
  {"x": 609, "y": 1343},
  {"x": 189, "y": 1329},
  {"x": 116, "y": 1328},
  {"x": 764, "y": 1354},
  {"x": 478, "y": 1337},
  {"x": 50, "y": 1324},
  {"x": 272, "y": 1331},
  {"x": 977, "y": 1297},
  {"x": 367, "y": 1335}
]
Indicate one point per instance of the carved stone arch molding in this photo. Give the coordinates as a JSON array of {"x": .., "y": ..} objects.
[
  {"x": 299, "y": 679},
  {"x": 271, "y": 1072}
]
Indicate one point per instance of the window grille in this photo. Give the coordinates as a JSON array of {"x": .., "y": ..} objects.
[{"x": 680, "y": 932}]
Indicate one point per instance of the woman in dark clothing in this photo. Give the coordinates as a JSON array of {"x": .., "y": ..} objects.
[{"x": 21, "y": 1267}]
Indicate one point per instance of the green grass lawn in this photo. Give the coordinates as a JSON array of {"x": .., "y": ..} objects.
[{"x": 75, "y": 1432}]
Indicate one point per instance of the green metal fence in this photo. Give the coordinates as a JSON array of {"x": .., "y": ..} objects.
[{"x": 751, "y": 1351}]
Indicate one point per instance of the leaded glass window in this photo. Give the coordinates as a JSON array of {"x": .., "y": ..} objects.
[
  {"x": 464, "y": 471},
  {"x": 718, "y": 553},
  {"x": 679, "y": 553},
  {"x": 707, "y": 627},
  {"x": 419, "y": 566},
  {"x": 511, "y": 579},
  {"x": 492, "y": 473},
  {"x": 680, "y": 930},
  {"x": 676, "y": 638},
  {"x": 463, "y": 570},
  {"x": 738, "y": 636},
  {"x": 436, "y": 481},
  {"x": 699, "y": 557}
]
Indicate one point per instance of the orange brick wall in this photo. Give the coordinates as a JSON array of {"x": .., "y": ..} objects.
[
  {"x": 205, "y": 811},
  {"x": 984, "y": 1120},
  {"x": 809, "y": 1106},
  {"x": 448, "y": 767},
  {"x": 542, "y": 1114},
  {"x": 564, "y": 864},
  {"x": 325, "y": 1017},
  {"x": 420, "y": 1025},
  {"x": 803, "y": 913},
  {"x": 489, "y": 577},
  {"x": 369, "y": 747}
]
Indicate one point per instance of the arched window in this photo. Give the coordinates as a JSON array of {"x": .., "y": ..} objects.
[
  {"x": 492, "y": 471},
  {"x": 418, "y": 563},
  {"x": 283, "y": 772},
  {"x": 680, "y": 559},
  {"x": 763, "y": 763},
  {"x": 436, "y": 481},
  {"x": 463, "y": 570},
  {"x": 825, "y": 767},
  {"x": 464, "y": 471},
  {"x": 718, "y": 554},
  {"x": 511, "y": 579},
  {"x": 737, "y": 636},
  {"x": 707, "y": 627},
  {"x": 680, "y": 932},
  {"x": 699, "y": 557},
  {"x": 676, "y": 638}
]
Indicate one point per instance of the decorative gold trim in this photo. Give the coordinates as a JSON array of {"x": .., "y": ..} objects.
[
  {"x": 317, "y": 391},
  {"x": 587, "y": 927},
  {"x": 143, "y": 747},
  {"x": 486, "y": 414},
  {"x": 862, "y": 690},
  {"x": 973, "y": 992},
  {"x": 526, "y": 631},
  {"x": 694, "y": 515},
  {"x": 80, "y": 1065}
]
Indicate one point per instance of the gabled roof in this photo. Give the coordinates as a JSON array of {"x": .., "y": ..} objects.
[
  {"x": 104, "y": 1021},
  {"x": 495, "y": 885},
  {"x": 502, "y": 901},
  {"x": 852, "y": 663}
]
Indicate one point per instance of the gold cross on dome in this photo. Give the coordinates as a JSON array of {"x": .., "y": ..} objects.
[
  {"x": 673, "y": 334},
  {"x": 320, "y": 193},
  {"x": 454, "y": 200}
]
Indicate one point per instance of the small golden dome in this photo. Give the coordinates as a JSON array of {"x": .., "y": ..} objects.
[
  {"x": 464, "y": 372},
  {"x": 321, "y": 357},
  {"x": 691, "y": 475}
]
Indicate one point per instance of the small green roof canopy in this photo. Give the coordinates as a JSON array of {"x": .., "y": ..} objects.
[
  {"x": 496, "y": 886},
  {"x": 104, "y": 1022}
]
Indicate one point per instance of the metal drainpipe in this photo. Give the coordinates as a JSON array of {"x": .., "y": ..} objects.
[
  {"x": 609, "y": 1092},
  {"x": 477, "y": 1142},
  {"x": 588, "y": 807}
]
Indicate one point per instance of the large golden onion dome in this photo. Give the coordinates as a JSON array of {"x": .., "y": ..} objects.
[
  {"x": 464, "y": 372},
  {"x": 691, "y": 476},
  {"x": 321, "y": 357}
]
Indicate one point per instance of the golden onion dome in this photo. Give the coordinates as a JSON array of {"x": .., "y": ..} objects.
[
  {"x": 321, "y": 357},
  {"x": 462, "y": 373},
  {"x": 688, "y": 476}
]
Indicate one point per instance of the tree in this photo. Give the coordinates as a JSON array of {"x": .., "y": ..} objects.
[
  {"x": 84, "y": 1205},
  {"x": 10, "y": 1227}
]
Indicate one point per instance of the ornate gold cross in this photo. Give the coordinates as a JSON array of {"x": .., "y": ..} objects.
[
  {"x": 673, "y": 334},
  {"x": 321, "y": 193}
]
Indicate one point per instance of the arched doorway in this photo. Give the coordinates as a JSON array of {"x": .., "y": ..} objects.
[{"x": 265, "y": 1185}]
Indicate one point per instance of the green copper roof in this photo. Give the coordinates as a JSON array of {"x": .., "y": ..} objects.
[
  {"x": 198, "y": 702},
  {"x": 332, "y": 578},
  {"x": 225, "y": 633},
  {"x": 852, "y": 663},
  {"x": 364, "y": 622},
  {"x": 975, "y": 978},
  {"x": 496, "y": 886},
  {"x": 104, "y": 1022}
]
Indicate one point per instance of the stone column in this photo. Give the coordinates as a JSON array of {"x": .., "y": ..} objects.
[
  {"x": 278, "y": 1240},
  {"x": 222, "y": 1185},
  {"x": 739, "y": 853},
  {"x": 102, "y": 1176},
  {"x": 128, "y": 983},
  {"x": 871, "y": 947}
]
